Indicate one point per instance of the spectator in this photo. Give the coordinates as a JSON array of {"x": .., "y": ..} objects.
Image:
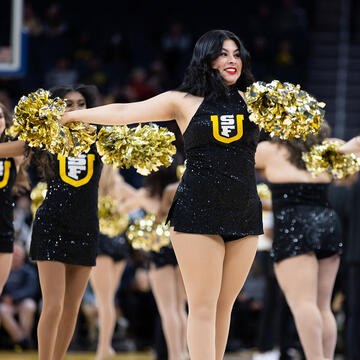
[
  {"x": 18, "y": 305},
  {"x": 176, "y": 45},
  {"x": 139, "y": 85},
  {"x": 55, "y": 25},
  {"x": 61, "y": 74},
  {"x": 31, "y": 22}
]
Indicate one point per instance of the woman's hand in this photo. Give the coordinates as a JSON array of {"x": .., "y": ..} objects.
[
  {"x": 352, "y": 146},
  {"x": 67, "y": 118}
]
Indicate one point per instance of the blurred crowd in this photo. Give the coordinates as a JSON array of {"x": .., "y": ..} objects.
[{"x": 132, "y": 51}]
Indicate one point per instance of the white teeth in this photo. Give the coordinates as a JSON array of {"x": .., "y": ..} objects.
[{"x": 230, "y": 70}]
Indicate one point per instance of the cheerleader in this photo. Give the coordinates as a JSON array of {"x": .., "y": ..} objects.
[
  {"x": 110, "y": 263},
  {"x": 11, "y": 182},
  {"x": 164, "y": 274},
  {"x": 306, "y": 242},
  {"x": 65, "y": 231},
  {"x": 216, "y": 213}
]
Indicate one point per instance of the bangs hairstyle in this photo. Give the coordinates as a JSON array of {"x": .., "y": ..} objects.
[
  {"x": 297, "y": 147},
  {"x": 8, "y": 121},
  {"x": 201, "y": 79},
  {"x": 89, "y": 92}
]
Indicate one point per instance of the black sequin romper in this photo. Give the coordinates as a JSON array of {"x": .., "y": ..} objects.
[
  {"x": 166, "y": 256},
  {"x": 7, "y": 181},
  {"x": 66, "y": 225},
  {"x": 304, "y": 221},
  {"x": 217, "y": 193},
  {"x": 116, "y": 247}
]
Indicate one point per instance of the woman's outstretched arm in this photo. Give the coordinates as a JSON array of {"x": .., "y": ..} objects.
[
  {"x": 12, "y": 148},
  {"x": 162, "y": 107}
]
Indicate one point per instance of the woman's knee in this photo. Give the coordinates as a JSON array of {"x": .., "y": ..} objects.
[
  {"x": 52, "y": 308},
  {"x": 28, "y": 305},
  {"x": 205, "y": 309},
  {"x": 301, "y": 309}
]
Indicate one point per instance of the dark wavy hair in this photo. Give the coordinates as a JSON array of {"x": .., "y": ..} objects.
[
  {"x": 89, "y": 92},
  {"x": 201, "y": 79},
  {"x": 44, "y": 161},
  {"x": 156, "y": 182},
  {"x": 8, "y": 122},
  {"x": 297, "y": 147}
]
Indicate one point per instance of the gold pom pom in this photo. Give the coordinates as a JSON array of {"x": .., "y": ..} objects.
[
  {"x": 36, "y": 121},
  {"x": 263, "y": 191},
  {"x": 148, "y": 235},
  {"x": 37, "y": 196},
  {"x": 284, "y": 110},
  {"x": 326, "y": 158},
  {"x": 110, "y": 221},
  {"x": 146, "y": 148}
]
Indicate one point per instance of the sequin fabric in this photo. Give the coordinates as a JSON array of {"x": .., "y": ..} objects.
[
  {"x": 7, "y": 181},
  {"x": 304, "y": 221},
  {"x": 66, "y": 225},
  {"x": 217, "y": 193},
  {"x": 166, "y": 256},
  {"x": 116, "y": 247}
]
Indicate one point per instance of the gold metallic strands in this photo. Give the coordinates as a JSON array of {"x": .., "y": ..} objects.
[
  {"x": 110, "y": 221},
  {"x": 326, "y": 158},
  {"x": 36, "y": 121},
  {"x": 37, "y": 196},
  {"x": 180, "y": 171},
  {"x": 148, "y": 235},
  {"x": 263, "y": 191},
  {"x": 146, "y": 148},
  {"x": 284, "y": 110}
]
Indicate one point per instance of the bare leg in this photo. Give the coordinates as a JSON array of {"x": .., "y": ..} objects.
[
  {"x": 328, "y": 268},
  {"x": 239, "y": 256},
  {"x": 181, "y": 308},
  {"x": 163, "y": 285},
  {"x": 77, "y": 277},
  {"x": 5, "y": 266},
  {"x": 7, "y": 314},
  {"x": 105, "y": 280},
  {"x": 52, "y": 282},
  {"x": 27, "y": 309},
  {"x": 298, "y": 278},
  {"x": 200, "y": 260}
]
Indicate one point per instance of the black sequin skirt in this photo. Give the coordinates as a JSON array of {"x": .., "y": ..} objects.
[
  {"x": 210, "y": 202},
  {"x": 69, "y": 244},
  {"x": 6, "y": 245},
  {"x": 303, "y": 228},
  {"x": 116, "y": 247}
]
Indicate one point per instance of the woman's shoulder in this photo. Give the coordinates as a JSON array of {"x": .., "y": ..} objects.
[
  {"x": 182, "y": 96},
  {"x": 268, "y": 146}
]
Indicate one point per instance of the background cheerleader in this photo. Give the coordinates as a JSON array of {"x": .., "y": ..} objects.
[
  {"x": 307, "y": 240},
  {"x": 164, "y": 274},
  {"x": 110, "y": 263},
  {"x": 11, "y": 182}
]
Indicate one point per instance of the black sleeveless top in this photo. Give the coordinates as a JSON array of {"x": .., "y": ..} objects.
[
  {"x": 66, "y": 225},
  {"x": 217, "y": 193},
  {"x": 304, "y": 221},
  {"x": 7, "y": 181}
]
